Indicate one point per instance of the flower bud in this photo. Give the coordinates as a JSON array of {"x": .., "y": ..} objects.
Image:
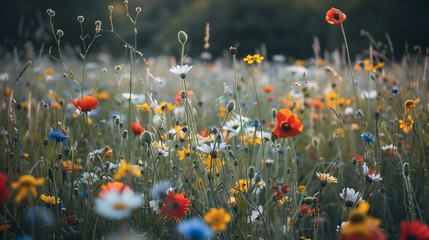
[
  {"x": 231, "y": 106},
  {"x": 98, "y": 23},
  {"x": 138, "y": 9},
  {"x": 182, "y": 37},
  {"x": 60, "y": 33},
  {"x": 147, "y": 137},
  {"x": 80, "y": 19},
  {"x": 50, "y": 12},
  {"x": 251, "y": 172},
  {"x": 125, "y": 134},
  {"x": 406, "y": 169},
  {"x": 274, "y": 113},
  {"x": 232, "y": 50},
  {"x": 110, "y": 7}
]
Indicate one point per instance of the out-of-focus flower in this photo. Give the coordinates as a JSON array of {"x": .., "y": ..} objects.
[
  {"x": 57, "y": 136},
  {"x": 27, "y": 183},
  {"x": 49, "y": 199},
  {"x": 102, "y": 95},
  {"x": 240, "y": 186},
  {"x": 316, "y": 104},
  {"x": 256, "y": 215},
  {"x": 268, "y": 89},
  {"x": 410, "y": 104},
  {"x": 414, "y": 230},
  {"x": 86, "y": 104},
  {"x": 395, "y": 90},
  {"x": 137, "y": 129},
  {"x": 335, "y": 16},
  {"x": 361, "y": 225},
  {"x": 117, "y": 204},
  {"x": 186, "y": 152},
  {"x": 135, "y": 98},
  {"x": 287, "y": 125},
  {"x": 194, "y": 228},
  {"x": 179, "y": 96},
  {"x": 356, "y": 157},
  {"x": 217, "y": 218},
  {"x": 406, "y": 123},
  {"x": 143, "y": 107},
  {"x": 280, "y": 190},
  {"x": 4, "y": 189},
  {"x": 369, "y": 95},
  {"x": 4, "y": 227},
  {"x": 164, "y": 107},
  {"x": 48, "y": 72},
  {"x": 367, "y": 138},
  {"x": 175, "y": 206},
  {"x": 125, "y": 170},
  {"x": 255, "y": 58}
]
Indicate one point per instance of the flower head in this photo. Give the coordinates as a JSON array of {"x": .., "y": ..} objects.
[
  {"x": 325, "y": 178},
  {"x": 117, "y": 204},
  {"x": 4, "y": 189},
  {"x": 287, "y": 125},
  {"x": 175, "y": 206},
  {"x": 194, "y": 228},
  {"x": 406, "y": 123},
  {"x": 57, "y": 136},
  {"x": 86, "y": 104},
  {"x": 395, "y": 90},
  {"x": 49, "y": 199},
  {"x": 125, "y": 170},
  {"x": 410, "y": 104},
  {"x": 240, "y": 186},
  {"x": 217, "y": 218},
  {"x": 350, "y": 196},
  {"x": 367, "y": 137},
  {"x": 27, "y": 183},
  {"x": 182, "y": 95},
  {"x": 182, "y": 71},
  {"x": 137, "y": 129},
  {"x": 359, "y": 222},
  {"x": 255, "y": 58},
  {"x": 370, "y": 175},
  {"x": 356, "y": 158},
  {"x": 414, "y": 230},
  {"x": 335, "y": 16}
]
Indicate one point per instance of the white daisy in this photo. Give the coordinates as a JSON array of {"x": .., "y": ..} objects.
[
  {"x": 256, "y": 215},
  {"x": 117, "y": 205},
  {"x": 208, "y": 149},
  {"x": 181, "y": 70},
  {"x": 370, "y": 176},
  {"x": 350, "y": 196},
  {"x": 154, "y": 205},
  {"x": 135, "y": 98},
  {"x": 89, "y": 178}
]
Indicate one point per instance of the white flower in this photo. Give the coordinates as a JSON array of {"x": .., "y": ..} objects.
[
  {"x": 4, "y": 77},
  {"x": 369, "y": 95},
  {"x": 154, "y": 205},
  {"x": 89, "y": 178},
  {"x": 208, "y": 149},
  {"x": 117, "y": 205},
  {"x": 256, "y": 215},
  {"x": 371, "y": 176},
  {"x": 349, "y": 111},
  {"x": 135, "y": 98},
  {"x": 157, "y": 120},
  {"x": 350, "y": 196},
  {"x": 388, "y": 147},
  {"x": 180, "y": 70}
]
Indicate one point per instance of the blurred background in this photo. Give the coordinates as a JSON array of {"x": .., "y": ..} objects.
[{"x": 284, "y": 26}]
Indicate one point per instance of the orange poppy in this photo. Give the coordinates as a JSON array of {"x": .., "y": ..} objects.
[
  {"x": 137, "y": 129},
  {"x": 268, "y": 89},
  {"x": 287, "y": 125},
  {"x": 316, "y": 104},
  {"x": 335, "y": 16},
  {"x": 117, "y": 186},
  {"x": 86, "y": 104},
  {"x": 179, "y": 96},
  {"x": 303, "y": 210}
]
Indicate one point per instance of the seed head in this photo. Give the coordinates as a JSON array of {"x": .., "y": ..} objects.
[
  {"x": 80, "y": 19},
  {"x": 60, "y": 33}
]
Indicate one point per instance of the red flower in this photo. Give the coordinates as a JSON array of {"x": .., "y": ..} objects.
[
  {"x": 316, "y": 104},
  {"x": 375, "y": 234},
  {"x": 414, "y": 230},
  {"x": 86, "y": 104},
  {"x": 117, "y": 186},
  {"x": 137, "y": 129},
  {"x": 268, "y": 89},
  {"x": 287, "y": 125},
  {"x": 279, "y": 192},
  {"x": 335, "y": 16},
  {"x": 303, "y": 210},
  {"x": 357, "y": 158},
  {"x": 179, "y": 96},
  {"x": 4, "y": 189},
  {"x": 175, "y": 205}
]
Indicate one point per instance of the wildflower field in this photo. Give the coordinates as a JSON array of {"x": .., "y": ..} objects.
[{"x": 237, "y": 147}]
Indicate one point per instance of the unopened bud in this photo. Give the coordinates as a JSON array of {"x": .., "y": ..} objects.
[
  {"x": 274, "y": 113},
  {"x": 251, "y": 172},
  {"x": 80, "y": 19},
  {"x": 232, "y": 50},
  {"x": 147, "y": 137},
  {"x": 60, "y": 33},
  {"x": 406, "y": 169},
  {"x": 182, "y": 37},
  {"x": 231, "y": 106}
]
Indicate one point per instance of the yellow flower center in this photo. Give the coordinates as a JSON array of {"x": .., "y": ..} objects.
[{"x": 120, "y": 206}]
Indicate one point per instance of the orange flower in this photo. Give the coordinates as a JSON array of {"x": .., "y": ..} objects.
[
  {"x": 303, "y": 210},
  {"x": 316, "y": 104},
  {"x": 118, "y": 186},
  {"x": 175, "y": 205},
  {"x": 335, "y": 16},
  {"x": 287, "y": 125},
  {"x": 268, "y": 89},
  {"x": 86, "y": 104},
  {"x": 204, "y": 132},
  {"x": 179, "y": 96},
  {"x": 137, "y": 129}
]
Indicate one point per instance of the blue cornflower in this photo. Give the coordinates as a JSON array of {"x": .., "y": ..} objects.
[
  {"x": 395, "y": 90},
  {"x": 358, "y": 113},
  {"x": 368, "y": 138},
  {"x": 57, "y": 136},
  {"x": 194, "y": 228}
]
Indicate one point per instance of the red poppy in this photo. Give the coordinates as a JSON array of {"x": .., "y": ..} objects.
[
  {"x": 414, "y": 230},
  {"x": 316, "y": 104},
  {"x": 375, "y": 234},
  {"x": 287, "y": 125},
  {"x": 179, "y": 96},
  {"x": 137, "y": 129},
  {"x": 335, "y": 16},
  {"x": 175, "y": 206},
  {"x": 204, "y": 132},
  {"x": 86, "y": 104},
  {"x": 4, "y": 189},
  {"x": 357, "y": 158},
  {"x": 303, "y": 210},
  {"x": 279, "y": 192}
]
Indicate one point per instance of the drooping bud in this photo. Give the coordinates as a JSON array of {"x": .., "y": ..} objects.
[{"x": 182, "y": 37}]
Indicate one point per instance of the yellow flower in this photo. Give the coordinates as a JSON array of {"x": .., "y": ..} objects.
[
  {"x": 217, "y": 218},
  {"x": 109, "y": 152},
  {"x": 410, "y": 104},
  {"x": 240, "y": 186},
  {"x": 51, "y": 95},
  {"x": 325, "y": 178},
  {"x": 212, "y": 162},
  {"x": 300, "y": 62},
  {"x": 255, "y": 58},
  {"x": 25, "y": 155},
  {"x": 55, "y": 105},
  {"x": 126, "y": 170},
  {"x": 102, "y": 95},
  {"x": 27, "y": 183},
  {"x": 143, "y": 107},
  {"x": 342, "y": 101},
  {"x": 164, "y": 107},
  {"x": 378, "y": 66},
  {"x": 406, "y": 124},
  {"x": 331, "y": 99},
  {"x": 49, "y": 199},
  {"x": 301, "y": 188},
  {"x": 186, "y": 152},
  {"x": 359, "y": 222},
  {"x": 48, "y": 72},
  {"x": 222, "y": 111}
]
